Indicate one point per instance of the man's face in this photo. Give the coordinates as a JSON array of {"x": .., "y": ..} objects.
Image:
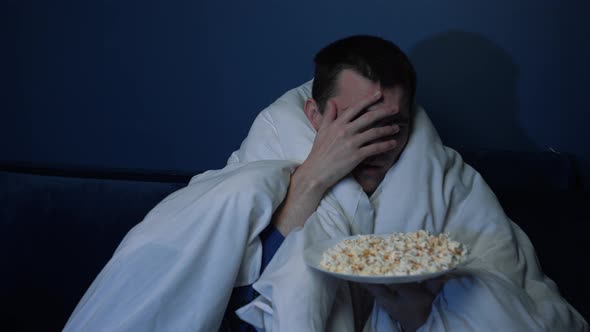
[{"x": 353, "y": 87}]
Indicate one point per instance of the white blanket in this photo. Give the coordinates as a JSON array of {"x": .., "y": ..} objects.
[
  {"x": 176, "y": 269},
  {"x": 430, "y": 188}
]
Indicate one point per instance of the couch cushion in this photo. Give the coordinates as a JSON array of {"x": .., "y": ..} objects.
[{"x": 57, "y": 234}]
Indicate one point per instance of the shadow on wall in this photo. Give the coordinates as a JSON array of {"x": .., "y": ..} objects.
[{"x": 467, "y": 84}]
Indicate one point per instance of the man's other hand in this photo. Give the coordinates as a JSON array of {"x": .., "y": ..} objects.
[{"x": 410, "y": 304}]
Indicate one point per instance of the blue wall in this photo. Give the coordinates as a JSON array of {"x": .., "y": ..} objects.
[{"x": 175, "y": 85}]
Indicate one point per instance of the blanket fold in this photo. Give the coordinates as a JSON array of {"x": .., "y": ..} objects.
[{"x": 175, "y": 270}]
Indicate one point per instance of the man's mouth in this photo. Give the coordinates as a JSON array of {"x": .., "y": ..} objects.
[
  {"x": 370, "y": 165},
  {"x": 367, "y": 170},
  {"x": 374, "y": 161}
]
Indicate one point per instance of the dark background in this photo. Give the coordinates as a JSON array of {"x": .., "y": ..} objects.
[{"x": 175, "y": 85}]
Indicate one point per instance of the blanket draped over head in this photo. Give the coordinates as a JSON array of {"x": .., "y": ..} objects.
[{"x": 175, "y": 270}]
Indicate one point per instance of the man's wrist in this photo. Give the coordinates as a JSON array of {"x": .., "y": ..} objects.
[
  {"x": 307, "y": 183},
  {"x": 303, "y": 197}
]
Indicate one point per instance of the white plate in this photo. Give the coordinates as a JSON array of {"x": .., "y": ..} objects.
[{"x": 313, "y": 257}]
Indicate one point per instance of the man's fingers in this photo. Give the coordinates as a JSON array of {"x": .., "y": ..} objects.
[
  {"x": 368, "y": 136},
  {"x": 374, "y": 118},
  {"x": 356, "y": 109},
  {"x": 377, "y": 148}
]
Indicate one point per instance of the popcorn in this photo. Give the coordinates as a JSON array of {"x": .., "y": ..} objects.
[{"x": 398, "y": 254}]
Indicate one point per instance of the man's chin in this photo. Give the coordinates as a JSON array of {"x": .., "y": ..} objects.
[
  {"x": 369, "y": 170},
  {"x": 369, "y": 177}
]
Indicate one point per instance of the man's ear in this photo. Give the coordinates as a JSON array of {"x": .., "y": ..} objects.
[{"x": 312, "y": 112}]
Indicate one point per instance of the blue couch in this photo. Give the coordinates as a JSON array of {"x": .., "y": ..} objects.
[{"x": 60, "y": 225}]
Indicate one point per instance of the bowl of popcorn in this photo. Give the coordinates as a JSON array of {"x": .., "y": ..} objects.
[{"x": 388, "y": 258}]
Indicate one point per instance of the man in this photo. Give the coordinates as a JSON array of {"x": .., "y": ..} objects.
[
  {"x": 363, "y": 93},
  {"x": 362, "y": 96},
  {"x": 175, "y": 270},
  {"x": 361, "y": 109}
]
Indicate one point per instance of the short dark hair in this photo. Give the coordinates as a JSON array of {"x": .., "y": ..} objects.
[{"x": 374, "y": 58}]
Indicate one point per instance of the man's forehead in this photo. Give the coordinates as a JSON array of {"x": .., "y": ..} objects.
[
  {"x": 391, "y": 97},
  {"x": 351, "y": 87}
]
